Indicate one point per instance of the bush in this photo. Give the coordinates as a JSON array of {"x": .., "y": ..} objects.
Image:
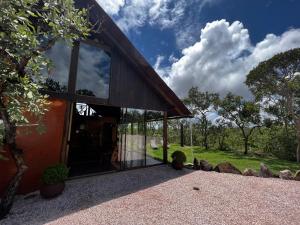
[
  {"x": 178, "y": 157},
  {"x": 55, "y": 174},
  {"x": 281, "y": 144}
]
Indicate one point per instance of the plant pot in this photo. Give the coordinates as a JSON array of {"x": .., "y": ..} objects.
[
  {"x": 52, "y": 190},
  {"x": 177, "y": 165}
]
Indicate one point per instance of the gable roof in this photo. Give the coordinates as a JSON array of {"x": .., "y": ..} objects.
[{"x": 111, "y": 31}]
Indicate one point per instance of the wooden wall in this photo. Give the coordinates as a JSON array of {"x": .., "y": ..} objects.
[{"x": 128, "y": 89}]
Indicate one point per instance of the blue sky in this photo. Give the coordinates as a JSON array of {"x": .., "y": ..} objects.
[{"x": 211, "y": 44}]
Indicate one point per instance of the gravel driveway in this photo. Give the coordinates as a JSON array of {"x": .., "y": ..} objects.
[{"x": 161, "y": 195}]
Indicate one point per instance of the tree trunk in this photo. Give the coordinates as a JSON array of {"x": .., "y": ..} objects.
[
  {"x": 181, "y": 135},
  {"x": 298, "y": 135},
  {"x": 298, "y": 151},
  {"x": 246, "y": 140},
  {"x": 205, "y": 134},
  {"x": 246, "y": 147},
  {"x": 297, "y": 125},
  {"x": 10, "y": 141}
]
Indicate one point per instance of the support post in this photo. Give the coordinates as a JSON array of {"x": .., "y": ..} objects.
[
  {"x": 181, "y": 135},
  {"x": 165, "y": 138}
]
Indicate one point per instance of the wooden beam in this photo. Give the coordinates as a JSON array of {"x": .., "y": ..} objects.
[
  {"x": 181, "y": 135},
  {"x": 67, "y": 133},
  {"x": 165, "y": 138}
]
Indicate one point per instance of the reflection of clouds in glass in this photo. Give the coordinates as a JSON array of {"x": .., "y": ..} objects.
[
  {"x": 60, "y": 55},
  {"x": 93, "y": 71}
]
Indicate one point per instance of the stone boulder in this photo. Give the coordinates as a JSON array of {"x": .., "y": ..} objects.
[
  {"x": 196, "y": 164},
  {"x": 297, "y": 176},
  {"x": 204, "y": 165},
  {"x": 265, "y": 171},
  {"x": 286, "y": 175},
  {"x": 227, "y": 167},
  {"x": 250, "y": 172}
]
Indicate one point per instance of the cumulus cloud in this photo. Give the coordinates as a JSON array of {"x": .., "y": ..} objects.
[
  {"x": 132, "y": 14},
  {"x": 221, "y": 59}
]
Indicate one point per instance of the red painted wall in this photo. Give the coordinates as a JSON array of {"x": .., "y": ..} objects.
[{"x": 40, "y": 150}]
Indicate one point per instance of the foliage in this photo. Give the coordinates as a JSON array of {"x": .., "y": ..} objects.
[
  {"x": 200, "y": 104},
  {"x": 28, "y": 28},
  {"x": 220, "y": 133},
  {"x": 281, "y": 142},
  {"x": 55, "y": 174},
  {"x": 241, "y": 113},
  {"x": 178, "y": 157},
  {"x": 238, "y": 159},
  {"x": 276, "y": 83}
]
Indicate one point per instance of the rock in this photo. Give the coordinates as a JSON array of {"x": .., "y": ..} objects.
[
  {"x": 297, "y": 175},
  {"x": 265, "y": 171},
  {"x": 227, "y": 167},
  {"x": 250, "y": 172},
  {"x": 204, "y": 165},
  {"x": 189, "y": 166},
  {"x": 286, "y": 175},
  {"x": 196, "y": 164}
]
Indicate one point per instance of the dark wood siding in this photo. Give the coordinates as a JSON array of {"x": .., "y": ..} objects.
[{"x": 129, "y": 89}]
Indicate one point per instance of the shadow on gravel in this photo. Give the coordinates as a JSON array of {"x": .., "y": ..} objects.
[{"x": 84, "y": 193}]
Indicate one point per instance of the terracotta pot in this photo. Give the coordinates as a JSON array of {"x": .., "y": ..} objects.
[
  {"x": 177, "y": 165},
  {"x": 52, "y": 190}
]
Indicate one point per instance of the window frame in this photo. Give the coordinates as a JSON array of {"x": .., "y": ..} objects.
[
  {"x": 105, "y": 48},
  {"x": 71, "y": 95}
]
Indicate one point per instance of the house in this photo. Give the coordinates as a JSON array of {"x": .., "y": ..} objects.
[{"x": 107, "y": 104}]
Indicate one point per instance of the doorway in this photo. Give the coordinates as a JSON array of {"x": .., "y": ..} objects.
[{"x": 93, "y": 139}]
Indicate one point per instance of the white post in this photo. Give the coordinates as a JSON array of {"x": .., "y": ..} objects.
[{"x": 191, "y": 132}]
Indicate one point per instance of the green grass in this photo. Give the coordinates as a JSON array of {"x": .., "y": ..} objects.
[{"x": 239, "y": 160}]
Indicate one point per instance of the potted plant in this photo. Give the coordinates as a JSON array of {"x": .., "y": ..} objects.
[
  {"x": 178, "y": 159},
  {"x": 53, "y": 180}
]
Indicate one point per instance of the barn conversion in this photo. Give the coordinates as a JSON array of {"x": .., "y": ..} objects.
[{"x": 107, "y": 106}]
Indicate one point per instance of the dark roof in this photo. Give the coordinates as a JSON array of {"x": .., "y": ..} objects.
[{"x": 113, "y": 32}]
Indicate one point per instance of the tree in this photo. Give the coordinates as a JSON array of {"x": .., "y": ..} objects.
[
  {"x": 243, "y": 114},
  {"x": 221, "y": 133},
  {"x": 200, "y": 104},
  {"x": 27, "y": 29},
  {"x": 276, "y": 82}
]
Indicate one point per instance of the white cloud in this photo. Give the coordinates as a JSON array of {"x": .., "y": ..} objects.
[
  {"x": 162, "y": 71},
  {"x": 132, "y": 14},
  {"x": 112, "y": 7},
  {"x": 221, "y": 59}
]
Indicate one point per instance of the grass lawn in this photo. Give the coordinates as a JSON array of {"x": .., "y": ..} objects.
[{"x": 239, "y": 160}]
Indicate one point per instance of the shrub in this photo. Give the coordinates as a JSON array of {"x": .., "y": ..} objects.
[
  {"x": 55, "y": 174},
  {"x": 282, "y": 144},
  {"x": 178, "y": 157}
]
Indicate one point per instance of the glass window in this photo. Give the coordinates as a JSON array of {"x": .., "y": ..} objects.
[
  {"x": 154, "y": 126},
  {"x": 140, "y": 141},
  {"x": 93, "y": 72},
  {"x": 57, "y": 77}
]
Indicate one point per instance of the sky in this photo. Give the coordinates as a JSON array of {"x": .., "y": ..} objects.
[{"x": 212, "y": 44}]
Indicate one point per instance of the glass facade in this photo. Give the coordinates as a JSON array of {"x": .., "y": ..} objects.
[
  {"x": 138, "y": 140},
  {"x": 154, "y": 147},
  {"x": 57, "y": 77},
  {"x": 93, "y": 71}
]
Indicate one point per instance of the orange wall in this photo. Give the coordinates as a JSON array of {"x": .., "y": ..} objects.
[{"x": 40, "y": 150}]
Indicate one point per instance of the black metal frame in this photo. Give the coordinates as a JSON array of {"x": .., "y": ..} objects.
[{"x": 71, "y": 95}]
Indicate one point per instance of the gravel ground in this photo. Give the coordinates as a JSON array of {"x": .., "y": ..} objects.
[{"x": 161, "y": 195}]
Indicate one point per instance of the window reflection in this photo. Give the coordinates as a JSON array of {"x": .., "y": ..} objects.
[
  {"x": 140, "y": 137},
  {"x": 56, "y": 78},
  {"x": 93, "y": 72}
]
